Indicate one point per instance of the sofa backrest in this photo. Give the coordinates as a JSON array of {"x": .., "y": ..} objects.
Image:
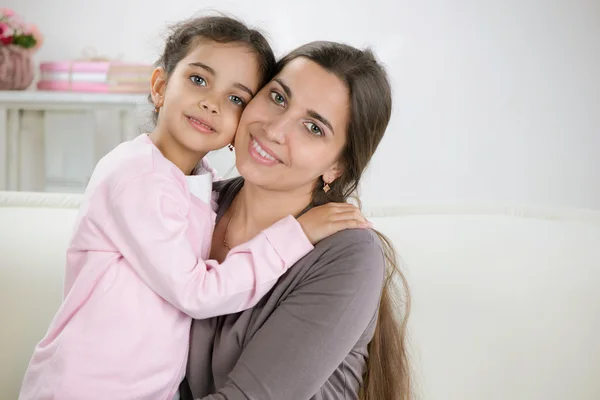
[{"x": 505, "y": 301}]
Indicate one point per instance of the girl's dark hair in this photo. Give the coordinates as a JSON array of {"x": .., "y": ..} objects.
[
  {"x": 220, "y": 29},
  {"x": 388, "y": 371}
]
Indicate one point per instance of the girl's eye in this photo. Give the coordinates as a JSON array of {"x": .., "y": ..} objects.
[
  {"x": 238, "y": 101},
  {"x": 198, "y": 80},
  {"x": 313, "y": 128},
  {"x": 277, "y": 98}
]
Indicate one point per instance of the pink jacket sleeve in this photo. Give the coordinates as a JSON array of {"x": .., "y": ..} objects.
[{"x": 149, "y": 224}]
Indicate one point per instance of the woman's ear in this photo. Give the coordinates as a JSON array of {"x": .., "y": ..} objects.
[
  {"x": 158, "y": 82},
  {"x": 333, "y": 173}
]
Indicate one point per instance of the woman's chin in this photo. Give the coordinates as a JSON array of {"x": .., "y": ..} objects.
[
  {"x": 256, "y": 174},
  {"x": 251, "y": 173}
]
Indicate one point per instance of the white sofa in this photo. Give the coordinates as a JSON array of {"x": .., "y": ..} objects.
[{"x": 506, "y": 302}]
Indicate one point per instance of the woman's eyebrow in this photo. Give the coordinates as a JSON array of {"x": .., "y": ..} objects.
[
  {"x": 317, "y": 116},
  {"x": 285, "y": 87},
  {"x": 311, "y": 113}
]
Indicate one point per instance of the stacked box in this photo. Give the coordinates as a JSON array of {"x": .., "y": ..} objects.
[{"x": 95, "y": 76}]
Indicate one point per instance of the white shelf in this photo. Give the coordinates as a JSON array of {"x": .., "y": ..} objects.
[
  {"x": 42, "y": 131},
  {"x": 28, "y": 99}
]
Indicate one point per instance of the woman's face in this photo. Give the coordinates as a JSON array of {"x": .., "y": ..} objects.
[{"x": 294, "y": 130}]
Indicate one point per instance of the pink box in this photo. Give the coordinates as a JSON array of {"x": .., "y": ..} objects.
[{"x": 95, "y": 76}]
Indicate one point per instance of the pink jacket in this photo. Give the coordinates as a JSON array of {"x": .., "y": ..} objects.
[{"x": 136, "y": 275}]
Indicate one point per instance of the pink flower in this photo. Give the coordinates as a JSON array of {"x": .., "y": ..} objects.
[
  {"x": 7, "y": 12},
  {"x": 16, "y": 22},
  {"x": 37, "y": 35},
  {"x": 5, "y": 30}
]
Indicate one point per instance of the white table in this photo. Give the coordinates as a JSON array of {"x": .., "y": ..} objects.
[{"x": 19, "y": 109}]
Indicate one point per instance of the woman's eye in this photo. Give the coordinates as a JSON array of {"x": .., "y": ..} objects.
[
  {"x": 198, "y": 80},
  {"x": 277, "y": 98},
  {"x": 238, "y": 101},
  {"x": 313, "y": 128}
]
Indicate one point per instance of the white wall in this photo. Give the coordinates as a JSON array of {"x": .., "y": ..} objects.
[{"x": 495, "y": 101}]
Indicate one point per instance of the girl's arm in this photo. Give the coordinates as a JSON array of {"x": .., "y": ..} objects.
[{"x": 148, "y": 223}]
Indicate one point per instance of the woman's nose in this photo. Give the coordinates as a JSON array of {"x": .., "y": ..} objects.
[{"x": 278, "y": 129}]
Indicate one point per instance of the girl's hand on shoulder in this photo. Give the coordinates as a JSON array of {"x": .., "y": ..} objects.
[{"x": 323, "y": 221}]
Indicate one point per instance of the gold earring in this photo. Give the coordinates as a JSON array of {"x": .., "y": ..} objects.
[
  {"x": 326, "y": 188},
  {"x": 156, "y": 109},
  {"x": 230, "y": 147}
]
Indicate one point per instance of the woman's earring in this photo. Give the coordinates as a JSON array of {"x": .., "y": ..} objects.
[
  {"x": 326, "y": 188},
  {"x": 156, "y": 109},
  {"x": 230, "y": 147}
]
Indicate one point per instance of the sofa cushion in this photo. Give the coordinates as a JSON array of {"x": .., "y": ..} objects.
[{"x": 504, "y": 307}]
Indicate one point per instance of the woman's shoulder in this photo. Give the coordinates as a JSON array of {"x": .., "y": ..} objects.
[
  {"x": 353, "y": 241},
  {"x": 354, "y": 255}
]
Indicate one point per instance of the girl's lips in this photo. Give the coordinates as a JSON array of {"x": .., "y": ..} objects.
[{"x": 201, "y": 125}]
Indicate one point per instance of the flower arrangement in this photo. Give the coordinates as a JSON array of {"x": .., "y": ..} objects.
[
  {"x": 18, "y": 42},
  {"x": 13, "y": 31}
]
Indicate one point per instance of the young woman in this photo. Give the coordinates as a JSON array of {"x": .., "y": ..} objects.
[{"x": 328, "y": 330}]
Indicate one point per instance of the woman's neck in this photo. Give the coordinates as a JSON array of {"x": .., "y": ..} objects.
[
  {"x": 185, "y": 159},
  {"x": 255, "y": 209}
]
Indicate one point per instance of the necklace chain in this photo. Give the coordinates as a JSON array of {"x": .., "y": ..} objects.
[{"x": 225, "y": 243}]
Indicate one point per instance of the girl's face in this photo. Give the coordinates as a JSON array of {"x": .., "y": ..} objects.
[
  {"x": 294, "y": 130},
  {"x": 202, "y": 100}
]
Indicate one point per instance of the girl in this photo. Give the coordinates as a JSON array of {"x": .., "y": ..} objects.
[{"x": 135, "y": 275}]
